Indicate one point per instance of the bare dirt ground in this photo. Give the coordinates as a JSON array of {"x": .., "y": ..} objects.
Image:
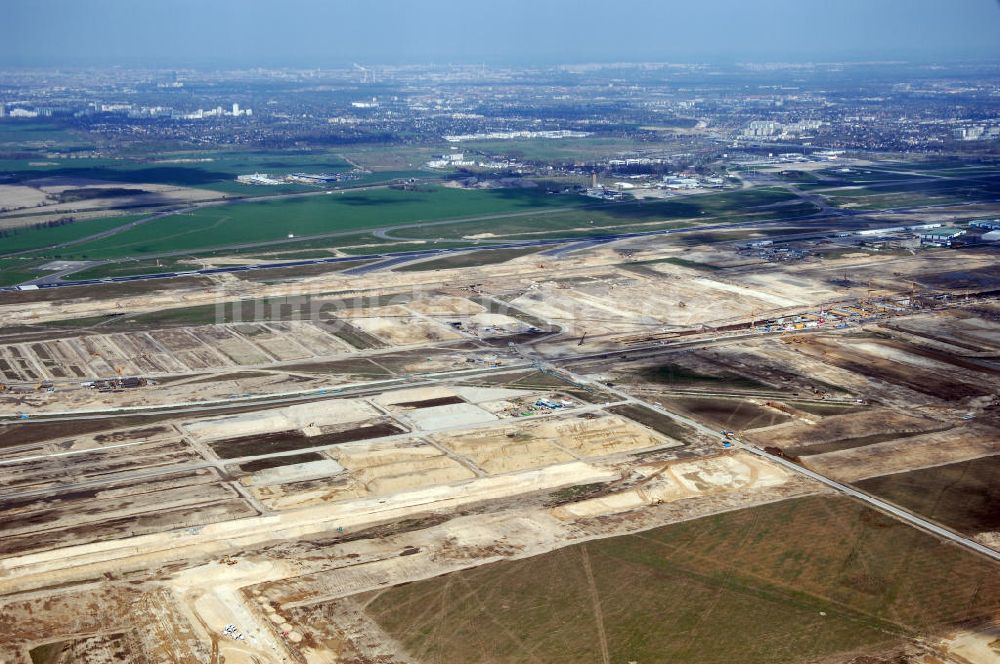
[
  {"x": 848, "y": 430},
  {"x": 49, "y": 198},
  {"x": 921, "y": 451},
  {"x": 436, "y": 435}
]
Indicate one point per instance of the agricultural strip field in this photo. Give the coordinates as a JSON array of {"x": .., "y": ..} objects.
[
  {"x": 964, "y": 496},
  {"x": 804, "y": 580},
  {"x": 727, "y": 413},
  {"x": 675, "y": 374}
]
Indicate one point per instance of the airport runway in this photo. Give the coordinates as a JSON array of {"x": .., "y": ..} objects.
[{"x": 389, "y": 259}]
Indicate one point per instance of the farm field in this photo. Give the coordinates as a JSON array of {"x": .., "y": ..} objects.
[
  {"x": 726, "y": 413},
  {"x": 803, "y": 580},
  {"x": 964, "y": 496}
]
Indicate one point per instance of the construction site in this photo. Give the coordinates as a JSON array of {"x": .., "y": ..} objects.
[{"x": 550, "y": 458}]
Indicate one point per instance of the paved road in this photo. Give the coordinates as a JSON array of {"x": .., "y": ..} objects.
[
  {"x": 184, "y": 209},
  {"x": 575, "y": 246},
  {"x": 840, "y": 487},
  {"x": 390, "y": 257},
  {"x": 112, "y": 231},
  {"x": 378, "y": 386},
  {"x": 380, "y": 265},
  {"x": 878, "y": 503},
  {"x": 271, "y": 400}
]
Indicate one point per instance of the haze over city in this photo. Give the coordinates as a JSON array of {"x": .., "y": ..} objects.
[{"x": 315, "y": 32}]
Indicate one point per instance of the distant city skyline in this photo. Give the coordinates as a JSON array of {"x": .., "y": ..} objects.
[{"x": 314, "y": 33}]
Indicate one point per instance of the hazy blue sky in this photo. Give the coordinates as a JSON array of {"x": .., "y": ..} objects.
[{"x": 314, "y": 32}]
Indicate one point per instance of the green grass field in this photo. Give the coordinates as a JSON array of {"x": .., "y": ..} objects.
[
  {"x": 347, "y": 216},
  {"x": 340, "y": 212},
  {"x": 964, "y": 496},
  {"x": 814, "y": 579},
  {"x": 33, "y": 133},
  {"x": 17, "y": 270},
  {"x": 627, "y": 216},
  {"x": 127, "y": 268},
  {"x": 24, "y": 239}
]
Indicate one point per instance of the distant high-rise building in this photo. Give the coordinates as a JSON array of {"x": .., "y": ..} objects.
[
  {"x": 3, "y": 111},
  {"x": 236, "y": 109}
]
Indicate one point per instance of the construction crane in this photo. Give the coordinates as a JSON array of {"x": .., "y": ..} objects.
[
  {"x": 367, "y": 76},
  {"x": 867, "y": 301}
]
